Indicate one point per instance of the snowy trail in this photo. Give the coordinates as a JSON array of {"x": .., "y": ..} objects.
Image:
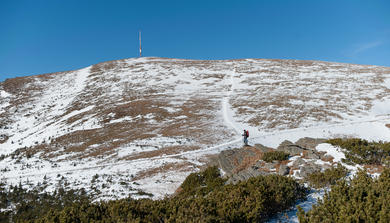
[{"x": 225, "y": 105}]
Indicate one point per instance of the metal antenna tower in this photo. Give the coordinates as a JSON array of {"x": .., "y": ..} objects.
[{"x": 140, "y": 48}]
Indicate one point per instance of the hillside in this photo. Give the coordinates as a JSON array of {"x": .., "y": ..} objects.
[{"x": 144, "y": 124}]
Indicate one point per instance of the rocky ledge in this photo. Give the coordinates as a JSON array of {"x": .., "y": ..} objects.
[{"x": 244, "y": 163}]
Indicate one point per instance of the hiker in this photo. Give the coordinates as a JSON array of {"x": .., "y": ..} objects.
[{"x": 245, "y": 136}]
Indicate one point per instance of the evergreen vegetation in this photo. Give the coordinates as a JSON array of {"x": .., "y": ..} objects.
[
  {"x": 253, "y": 200},
  {"x": 202, "y": 183},
  {"x": 327, "y": 178},
  {"x": 363, "y": 199},
  {"x": 360, "y": 151},
  {"x": 205, "y": 197},
  {"x": 275, "y": 155},
  {"x": 33, "y": 204}
]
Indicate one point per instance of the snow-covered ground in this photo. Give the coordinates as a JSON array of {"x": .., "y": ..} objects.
[{"x": 85, "y": 125}]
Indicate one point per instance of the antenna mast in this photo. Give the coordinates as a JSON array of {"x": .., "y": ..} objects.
[{"x": 140, "y": 48}]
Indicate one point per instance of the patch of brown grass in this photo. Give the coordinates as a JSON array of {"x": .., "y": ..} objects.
[
  {"x": 171, "y": 150},
  {"x": 178, "y": 167},
  {"x": 264, "y": 169},
  {"x": 374, "y": 168},
  {"x": 277, "y": 165},
  {"x": 328, "y": 159},
  {"x": 285, "y": 162}
]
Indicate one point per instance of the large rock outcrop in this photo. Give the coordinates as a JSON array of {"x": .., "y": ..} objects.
[
  {"x": 244, "y": 163},
  {"x": 236, "y": 160}
]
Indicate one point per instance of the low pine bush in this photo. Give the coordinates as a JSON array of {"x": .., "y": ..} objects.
[
  {"x": 360, "y": 151},
  {"x": 202, "y": 183},
  {"x": 363, "y": 199},
  {"x": 31, "y": 205},
  {"x": 275, "y": 155},
  {"x": 327, "y": 178},
  {"x": 253, "y": 200}
]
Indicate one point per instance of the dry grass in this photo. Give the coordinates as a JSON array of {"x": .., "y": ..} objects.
[
  {"x": 287, "y": 102},
  {"x": 172, "y": 150},
  {"x": 113, "y": 135},
  {"x": 328, "y": 159},
  {"x": 374, "y": 168},
  {"x": 265, "y": 170},
  {"x": 177, "y": 167}
]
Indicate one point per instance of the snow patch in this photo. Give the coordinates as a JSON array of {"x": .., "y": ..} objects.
[
  {"x": 4, "y": 94},
  {"x": 381, "y": 108},
  {"x": 332, "y": 151}
]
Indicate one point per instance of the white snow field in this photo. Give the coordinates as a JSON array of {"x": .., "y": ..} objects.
[{"x": 146, "y": 123}]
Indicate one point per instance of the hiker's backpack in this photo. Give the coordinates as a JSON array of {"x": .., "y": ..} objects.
[{"x": 247, "y": 133}]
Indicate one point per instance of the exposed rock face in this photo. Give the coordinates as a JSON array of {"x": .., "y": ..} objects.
[
  {"x": 270, "y": 166},
  {"x": 305, "y": 170},
  {"x": 284, "y": 170},
  {"x": 309, "y": 143},
  {"x": 312, "y": 155},
  {"x": 235, "y": 160},
  {"x": 262, "y": 148},
  {"x": 289, "y": 147},
  {"x": 245, "y": 175},
  {"x": 299, "y": 161},
  {"x": 242, "y": 164},
  {"x": 259, "y": 164}
]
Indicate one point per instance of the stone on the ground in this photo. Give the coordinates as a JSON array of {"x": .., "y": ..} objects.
[
  {"x": 309, "y": 169},
  {"x": 312, "y": 155},
  {"x": 290, "y": 148},
  {"x": 245, "y": 175},
  {"x": 284, "y": 170},
  {"x": 269, "y": 166},
  {"x": 309, "y": 143},
  {"x": 261, "y": 147},
  {"x": 299, "y": 161}
]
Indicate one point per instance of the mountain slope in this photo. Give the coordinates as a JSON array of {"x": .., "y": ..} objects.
[{"x": 151, "y": 121}]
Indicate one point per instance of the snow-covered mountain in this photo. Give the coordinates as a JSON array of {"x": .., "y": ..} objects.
[{"x": 146, "y": 123}]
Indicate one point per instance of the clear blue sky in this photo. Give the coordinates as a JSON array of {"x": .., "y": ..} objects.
[{"x": 39, "y": 37}]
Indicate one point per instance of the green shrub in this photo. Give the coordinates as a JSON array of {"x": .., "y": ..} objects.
[
  {"x": 275, "y": 155},
  {"x": 328, "y": 177},
  {"x": 386, "y": 161},
  {"x": 253, "y": 200},
  {"x": 360, "y": 151},
  {"x": 29, "y": 205},
  {"x": 202, "y": 183},
  {"x": 363, "y": 199}
]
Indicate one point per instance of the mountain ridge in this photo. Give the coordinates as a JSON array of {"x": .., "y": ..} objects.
[{"x": 156, "y": 117}]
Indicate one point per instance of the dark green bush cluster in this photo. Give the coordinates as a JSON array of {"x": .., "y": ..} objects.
[
  {"x": 33, "y": 204},
  {"x": 364, "y": 199},
  {"x": 328, "y": 177},
  {"x": 202, "y": 183},
  {"x": 275, "y": 155},
  {"x": 253, "y": 200},
  {"x": 360, "y": 151}
]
